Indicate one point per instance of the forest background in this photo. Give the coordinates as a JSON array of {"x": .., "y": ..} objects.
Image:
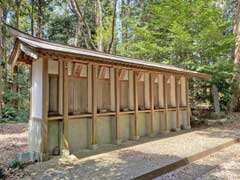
[{"x": 200, "y": 35}]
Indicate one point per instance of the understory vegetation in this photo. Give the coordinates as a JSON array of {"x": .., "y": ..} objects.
[{"x": 199, "y": 35}]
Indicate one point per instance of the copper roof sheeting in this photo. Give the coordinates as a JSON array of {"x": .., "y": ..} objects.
[{"x": 39, "y": 44}]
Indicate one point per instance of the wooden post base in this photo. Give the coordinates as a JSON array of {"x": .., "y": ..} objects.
[
  {"x": 135, "y": 138},
  {"x": 165, "y": 132},
  {"x": 93, "y": 146},
  {"x": 152, "y": 135},
  {"x": 118, "y": 141},
  {"x": 186, "y": 127}
]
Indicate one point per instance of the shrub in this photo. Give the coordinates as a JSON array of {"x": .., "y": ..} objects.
[{"x": 15, "y": 164}]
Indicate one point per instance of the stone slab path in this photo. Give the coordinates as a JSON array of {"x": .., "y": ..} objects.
[
  {"x": 222, "y": 165},
  {"x": 131, "y": 162}
]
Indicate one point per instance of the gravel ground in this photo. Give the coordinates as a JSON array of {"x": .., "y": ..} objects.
[
  {"x": 133, "y": 161},
  {"x": 119, "y": 162},
  {"x": 13, "y": 139},
  {"x": 222, "y": 165}
]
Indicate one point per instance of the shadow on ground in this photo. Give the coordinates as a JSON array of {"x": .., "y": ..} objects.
[{"x": 126, "y": 163}]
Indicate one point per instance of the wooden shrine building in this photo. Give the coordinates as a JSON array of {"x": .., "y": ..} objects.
[{"x": 82, "y": 98}]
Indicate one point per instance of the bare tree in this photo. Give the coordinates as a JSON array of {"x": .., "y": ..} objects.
[
  {"x": 39, "y": 4},
  {"x": 84, "y": 28},
  {"x": 113, "y": 25},
  {"x": 235, "y": 102},
  {"x": 99, "y": 25},
  {"x": 1, "y": 58}
]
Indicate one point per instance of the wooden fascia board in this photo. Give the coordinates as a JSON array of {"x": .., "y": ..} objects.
[
  {"x": 18, "y": 48},
  {"x": 29, "y": 51},
  {"x": 70, "y": 56},
  {"x": 15, "y": 54}
]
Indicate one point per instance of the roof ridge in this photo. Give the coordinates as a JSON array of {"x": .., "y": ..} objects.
[
  {"x": 18, "y": 33},
  {"x": 42, "y": 44}
]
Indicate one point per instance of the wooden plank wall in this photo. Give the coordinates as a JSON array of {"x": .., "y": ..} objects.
[{"x": 141, "y": 91}]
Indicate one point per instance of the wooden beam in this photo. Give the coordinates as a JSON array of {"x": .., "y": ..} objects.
[
  {"x": 152, "y": 78},
  {"x": 65, "y": 110},
  {"x": 166, "y": 76},
  {"x": 136, "y": 137},
  {"x": 117, "y": 104},
  {"x": 108, "y": 62},
  {"x": 177, "y": 103},
  {"x": 45, "y": 100},
  {"x": 94, "y": 106},
  {"x": 188, "y": 104}
]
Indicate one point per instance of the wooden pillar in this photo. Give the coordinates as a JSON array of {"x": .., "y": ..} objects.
[
  {"x": 65, "y": 111},
  {"x": 188, "y": 104},
  {"x": 177, "y": 104},
  {"x": 166, "y": 102},
  {"x": 147, "y": 102},
  {"x": 94, "y": 106},
  {"x": 30, "y": 93},
  {"x": 60, "y": 87},
  {"x": 151, "y": 104},
  {"x": 89, "y": 82},
  {"x": 135, "y": 137},
  {"x": 131, "y": 90},
  {"x": 112, "y": 90},
  {"x": 45, "y": 99},
  {"x": 117, "y": 105}
]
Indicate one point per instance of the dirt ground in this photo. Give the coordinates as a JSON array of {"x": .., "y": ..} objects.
[{"x": 13, "y": 138}]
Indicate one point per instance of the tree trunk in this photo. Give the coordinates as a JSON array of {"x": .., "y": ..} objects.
[
  {"x": 39, "y": 18},
  {"x": 215, "y": 98},
  {"x": 32, "y": 18},
  {"x": 125, "y": 14},
  {"x": 113, "y": 26},
  {"x": 16, "y": 68},
  {"x": 235, "y": 101},
  {"x": 1, "y": 59},
  {"x": 77, "y": 31},
  {"x": 99, "y": 25},
  {"x": 85, "y": 29}
]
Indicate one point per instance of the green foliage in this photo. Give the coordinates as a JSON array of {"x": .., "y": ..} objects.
[
  {"x": 16, "y": 164},
  {"x": 188, "y": 34},
  {"x": 2, "y": 175},
  {"x": 196, "y": 35},
  {"x": 16, "y": 96}
]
